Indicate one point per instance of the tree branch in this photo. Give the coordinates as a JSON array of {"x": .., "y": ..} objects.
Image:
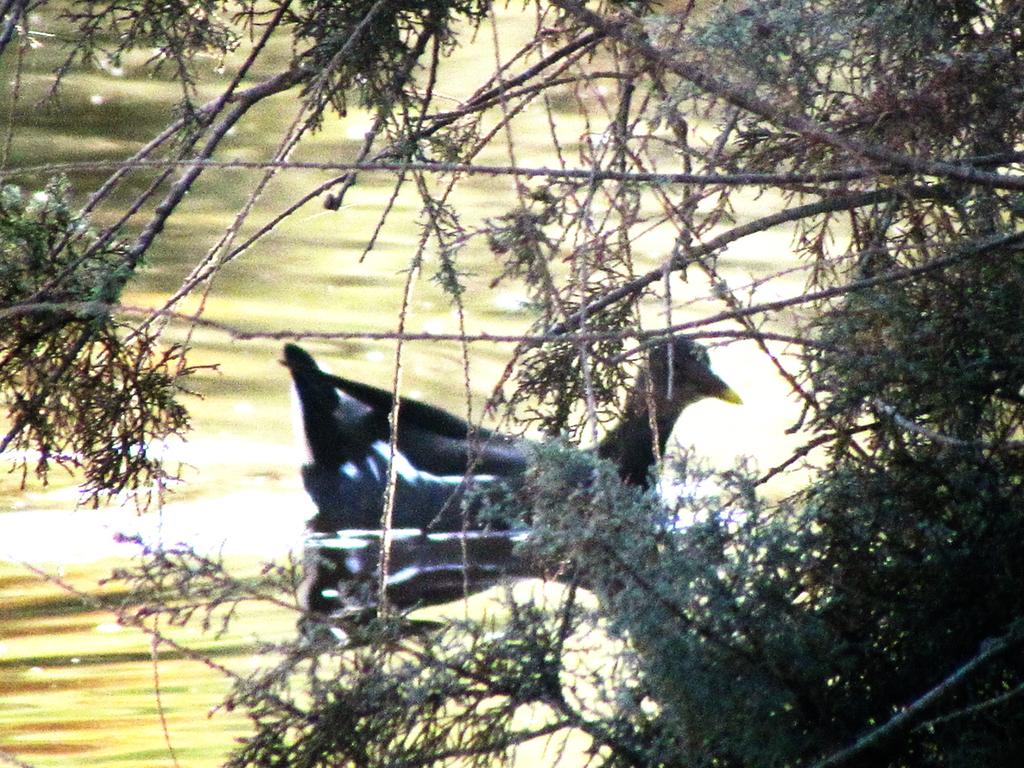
[
  {"x": 912, "y": 712},
  {"x": 628, "y": 30}
]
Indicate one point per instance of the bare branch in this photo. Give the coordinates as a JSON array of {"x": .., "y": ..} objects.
[
  {"x": 953, "y": 442},
  {"x": 626, "y": 29},
  {"x": 909, "y": 715}
]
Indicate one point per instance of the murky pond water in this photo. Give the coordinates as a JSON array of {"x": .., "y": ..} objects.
[{"x": 75, "y": 687}]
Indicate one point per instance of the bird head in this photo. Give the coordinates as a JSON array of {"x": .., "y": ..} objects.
[{"x": 679, "y": 374}]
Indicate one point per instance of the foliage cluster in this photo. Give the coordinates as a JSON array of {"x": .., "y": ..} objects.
[
  {"x": 372, "y": 50},
  {"x": 176, "y": 33},
  {"x": 83, "y": 389}
]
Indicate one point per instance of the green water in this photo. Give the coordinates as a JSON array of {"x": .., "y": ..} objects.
[{"x": 77, "y": 689}]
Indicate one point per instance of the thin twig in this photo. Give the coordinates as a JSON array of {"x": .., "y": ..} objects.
[
  {"x": 154, "y": 654},
  {"x": 281, "y": 82},
  {"x": 11, "y": 759},
  {"x": 390, "y": 166},
  {"x": 839, "y": 203},
  {"x": 937, "y": 437},
  {"x": 974, "y": 709},
  {"x": 628, "y": 30},
  {"x": 891, "y": 276},
  {"x": 133, "y": 621},
  {"x": 908, "y": 716}
]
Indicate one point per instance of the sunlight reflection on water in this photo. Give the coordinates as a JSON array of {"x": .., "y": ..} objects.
[
  {"x": 252, "y": 523},
  {"x": 264, "y": 517}
]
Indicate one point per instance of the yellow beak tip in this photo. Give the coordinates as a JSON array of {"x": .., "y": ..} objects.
[{"x": 731, "y": 396}]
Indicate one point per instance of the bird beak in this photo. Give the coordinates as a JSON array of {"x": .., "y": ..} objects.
[{"x": 730, "y": 395}]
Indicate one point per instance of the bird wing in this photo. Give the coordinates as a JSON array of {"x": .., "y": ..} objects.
[
  {"x": 344, "y": 419},
  {"x": 435, "y": 440}
]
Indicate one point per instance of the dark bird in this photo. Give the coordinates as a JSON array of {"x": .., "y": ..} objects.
[
  {"x": 439, "y": 457},
  {"x": 346, "y": 428}
]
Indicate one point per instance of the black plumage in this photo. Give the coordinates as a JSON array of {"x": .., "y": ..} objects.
[
  {"x": 345, "y": 425},
  {"x": 677, "y": 375}
]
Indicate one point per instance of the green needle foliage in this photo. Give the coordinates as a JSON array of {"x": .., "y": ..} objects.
[{"x": 82, "y": 389}]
